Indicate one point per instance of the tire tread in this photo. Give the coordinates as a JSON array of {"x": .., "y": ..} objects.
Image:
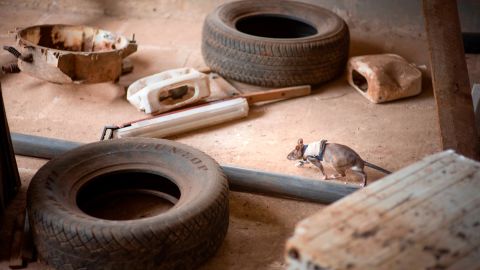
[{"x": 273, "y": 63}]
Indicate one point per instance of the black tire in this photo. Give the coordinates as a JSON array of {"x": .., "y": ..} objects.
[
  {"x": 180, "y": 238},
  {"x": 241, "y": 41}
]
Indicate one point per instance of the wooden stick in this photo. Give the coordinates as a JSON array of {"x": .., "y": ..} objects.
[
  {"x": 205, "y": 70},
  {"x": 281, "y": 93}
]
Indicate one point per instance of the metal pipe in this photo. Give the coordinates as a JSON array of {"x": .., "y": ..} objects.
[
  {"x": 40, "y": 147},
  {"x": 240, "y": 179},
  {"x": 285, "y": 186}
]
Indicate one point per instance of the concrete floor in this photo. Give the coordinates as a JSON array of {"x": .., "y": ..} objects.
[{"x": 391, "y": 135}]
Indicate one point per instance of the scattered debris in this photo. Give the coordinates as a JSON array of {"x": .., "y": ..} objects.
[
  {"x": 203, "y": 115},
  {"x": 384, "y": 77},
  {"x": 185, "y": 120},
  {"x": 177, "y": 88},
  {"x": 168, "y": 90},
  {"x": 340, "y": 156},
  {"x": 71, "y": 54}
]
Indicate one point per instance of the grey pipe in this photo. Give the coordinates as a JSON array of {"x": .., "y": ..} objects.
[
  {"x": 240, "y": 179},
  {"x": 286, "y": 186},
  {"x": 40, "y": 147}
]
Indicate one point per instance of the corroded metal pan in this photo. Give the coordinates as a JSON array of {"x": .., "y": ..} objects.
[{"x": 72, "y": 54}]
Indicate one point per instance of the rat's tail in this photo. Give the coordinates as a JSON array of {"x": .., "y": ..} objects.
[{"x": 368, "y": 164}]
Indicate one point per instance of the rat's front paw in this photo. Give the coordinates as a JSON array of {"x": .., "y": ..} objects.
[{"x": 300, "y": 164}]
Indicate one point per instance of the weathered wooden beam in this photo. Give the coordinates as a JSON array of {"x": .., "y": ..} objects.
[
  {"x": 424, "y": 216},
  {"x": 450, "y": 77}
]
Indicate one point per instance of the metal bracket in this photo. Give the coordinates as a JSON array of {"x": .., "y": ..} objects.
[{"x": 107, "y": 133}]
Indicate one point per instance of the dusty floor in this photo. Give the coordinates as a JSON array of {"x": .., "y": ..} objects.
[{"x": 391, "y": 135}]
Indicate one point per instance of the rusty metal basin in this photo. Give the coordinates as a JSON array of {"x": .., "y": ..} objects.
[{"x": 72, "y": 54}]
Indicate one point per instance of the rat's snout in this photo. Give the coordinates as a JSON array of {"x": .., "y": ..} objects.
[{"x": 291, "y": 156}]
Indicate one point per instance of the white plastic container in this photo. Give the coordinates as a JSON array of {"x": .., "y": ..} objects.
[{"x": 168, "y": 90}]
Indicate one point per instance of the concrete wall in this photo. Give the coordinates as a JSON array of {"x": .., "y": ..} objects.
[
  {"x": 405, "y": 16},
  {"x": 402, "y": 17}
]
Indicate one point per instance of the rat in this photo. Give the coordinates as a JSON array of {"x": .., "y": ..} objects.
[{"x": 340, "y": 156}]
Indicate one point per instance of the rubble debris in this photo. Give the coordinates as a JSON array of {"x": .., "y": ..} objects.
[
  {"x": 168, "y": 90},
  {"x": 384, "y": 77},
  {"x": 71, "y": 53}
]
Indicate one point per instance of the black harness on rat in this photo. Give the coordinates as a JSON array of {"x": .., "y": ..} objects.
[{"x": 319, "y": 155}]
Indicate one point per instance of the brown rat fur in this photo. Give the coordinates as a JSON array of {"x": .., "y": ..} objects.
[{"x": 341, "y": 157}]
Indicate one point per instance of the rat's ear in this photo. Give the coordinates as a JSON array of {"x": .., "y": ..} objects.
[
  {"x": 300, "y": 141},
  {"x": 297, "y": 147}
]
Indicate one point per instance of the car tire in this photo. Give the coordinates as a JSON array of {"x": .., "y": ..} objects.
[
  {"x": 275, "y": 43},
  {"x": 67, "y": 236}
]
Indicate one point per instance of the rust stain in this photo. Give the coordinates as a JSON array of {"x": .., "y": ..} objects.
[
  {"x": 81, "y": 54},
  {"x": 366, "y": 234},
  {"x": 73, "y": 38},
  {"x": 438, "y": 253}
]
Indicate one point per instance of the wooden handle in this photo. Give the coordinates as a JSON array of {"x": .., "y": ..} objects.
[{"x": 281, "y": 93}]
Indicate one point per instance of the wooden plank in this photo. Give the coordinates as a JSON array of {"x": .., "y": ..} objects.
[
  {"x": 414, "y": 219},
  {"x": 280, "y": 93},
  {"x": 441, "y": 247},
  {"x": 220, "y": 88},
  {"x": 467, "y": 261},
  {"x": 391, "y": 206},
  {"x": 405, "y": 234},
  {"x": 450, "y": 78},
  {"x": 392, "y": 184}
]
